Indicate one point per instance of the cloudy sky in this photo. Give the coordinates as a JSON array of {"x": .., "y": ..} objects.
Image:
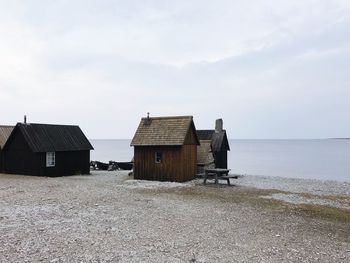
[{"x": 269, "y": 68}]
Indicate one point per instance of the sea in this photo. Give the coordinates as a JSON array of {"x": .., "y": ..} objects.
[{"x": 323, "y": 159}]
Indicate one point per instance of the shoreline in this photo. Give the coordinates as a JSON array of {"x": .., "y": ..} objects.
[
  {"x": 297, "y": 185},
  {"x": 321, "y": 159}
]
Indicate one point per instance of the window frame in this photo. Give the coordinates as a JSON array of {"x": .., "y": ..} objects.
[
  {"x": 158, "y": 157},
  {"x": 50, "y": 159}
]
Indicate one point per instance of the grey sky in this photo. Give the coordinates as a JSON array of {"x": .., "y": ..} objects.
[{"x": 270, "y": 69}]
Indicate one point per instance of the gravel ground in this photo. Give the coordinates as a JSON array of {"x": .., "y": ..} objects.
[
  {"x": 297, "y": 199},
  {"x": 105, "y": 217},
  {"x": 297, "y": 185}
]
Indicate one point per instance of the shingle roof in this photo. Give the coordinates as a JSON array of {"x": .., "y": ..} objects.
[
  {"x": 163, "y": 131},
  {"x": 218, "y": 139},
  {"x": 205, "y": 134},
  {"x": 5, "y": 132},
  {"x": 54, "y": 138}
]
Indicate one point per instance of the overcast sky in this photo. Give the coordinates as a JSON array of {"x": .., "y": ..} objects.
[{"x": 270, "y": 69}]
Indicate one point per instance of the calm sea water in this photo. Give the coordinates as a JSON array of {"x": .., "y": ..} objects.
[{"x": 309, "y": 159}]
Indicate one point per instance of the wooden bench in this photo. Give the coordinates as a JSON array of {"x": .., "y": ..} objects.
[
  {"x": 218, "y": 174},
  {"x": 228, "y": 177}
]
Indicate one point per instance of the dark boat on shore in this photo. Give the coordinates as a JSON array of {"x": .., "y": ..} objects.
[
  {"x": 111, "y": 165},
  {"x": 120, "y": 165},
  {"x": 125, "y": 165},
  {"x": 96, "y": 165}
]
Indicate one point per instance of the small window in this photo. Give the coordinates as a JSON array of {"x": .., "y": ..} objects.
[
  {"x": 50, "y": 159},
  {"x": 158, "y": 157}
]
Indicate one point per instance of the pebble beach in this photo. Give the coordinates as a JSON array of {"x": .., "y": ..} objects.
[{"x": 109, "y": 217}]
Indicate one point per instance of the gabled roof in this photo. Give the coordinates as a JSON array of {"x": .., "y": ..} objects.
[
  {"x": 5, "y": 132},
  {"x": 169, "y": 131},
  {"x": 218, "y": 140},
  {"x": 52, "y": 138}
]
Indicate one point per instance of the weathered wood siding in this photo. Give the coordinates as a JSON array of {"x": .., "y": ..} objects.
[
  {"x": 191, "y": 136},
  {"x": 67, "y": 163},
  {"x": 188, "y": 162},
  {"x": 221, "y": 159},
  {"x": 178, "y": 163},
  {"x": 1, "y": 161},
  {"x": 19, "y": 159}
]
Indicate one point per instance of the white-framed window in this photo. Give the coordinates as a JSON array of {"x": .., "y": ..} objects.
[
  {"x": 50, "y": 159},
  {"x": 158, "y": 157}
]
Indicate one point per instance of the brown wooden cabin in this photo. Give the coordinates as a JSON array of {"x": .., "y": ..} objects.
[
  {"x": 46, "y": 150},
  {"x": 165, "y": 149},
  {"x": 213, "y": 148},
  {"x": 5, "y": 132}
]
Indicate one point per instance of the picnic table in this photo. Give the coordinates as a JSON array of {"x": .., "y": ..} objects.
[{"x": 218, "y": 173}]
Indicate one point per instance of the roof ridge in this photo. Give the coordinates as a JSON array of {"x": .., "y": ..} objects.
[
  {"x": 213, "y": 130},
  {"x": 169, "y": 117},
  {"x": 206, "y": 130},
  {"x": 49, "y": 124}
]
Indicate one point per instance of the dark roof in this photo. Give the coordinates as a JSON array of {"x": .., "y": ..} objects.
[
  {"x": 205, "y": 134},
  {"x": 218, "y": 140},
  {"x": 53, "y": 138},
  {"x": 164, "y": 131},
  {"x": 5, "y": 132}
]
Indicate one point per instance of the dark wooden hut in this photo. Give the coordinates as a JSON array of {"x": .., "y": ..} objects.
[
  {"x": 46, "y": 150},
  {"x": 213, "y": 147},
  {"x": 5, "y": 132},
  {"x": 165, "y": 149}
]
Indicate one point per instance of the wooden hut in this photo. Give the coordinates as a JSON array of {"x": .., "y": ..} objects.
[
  {"x": 5, "y": 132},
  {"x": 165, "y": 149},
  {"x": 213, "y": 148},
  {"x": 46, "y": 150}
]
